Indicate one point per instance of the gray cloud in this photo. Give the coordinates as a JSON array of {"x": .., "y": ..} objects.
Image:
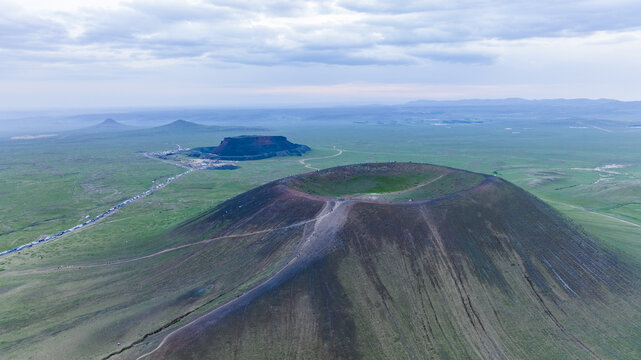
[
  {"x": 455, "y": 56},
  {"x": 349, "y": 32},
  {"x": 20, "y": 31}
]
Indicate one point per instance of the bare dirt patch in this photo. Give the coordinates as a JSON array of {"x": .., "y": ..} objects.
[{"x": 32, "y": 137}]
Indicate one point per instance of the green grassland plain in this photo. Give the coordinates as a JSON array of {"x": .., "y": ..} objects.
[{"x": 48, "y": 185}]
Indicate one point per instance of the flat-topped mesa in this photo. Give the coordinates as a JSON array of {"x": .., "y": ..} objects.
[
  {"x": 250, "y": 147},
  {"x": 388, "y": 182}
]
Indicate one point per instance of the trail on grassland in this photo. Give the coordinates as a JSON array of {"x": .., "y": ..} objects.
[
  {"x": 404, "y": 191},
  {"x": 164, "y": 251},
  {"x": 303, "y": 161},
  {"x": 594, "y": 212}
]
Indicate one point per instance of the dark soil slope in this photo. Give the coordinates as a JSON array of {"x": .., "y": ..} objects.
[
  {"x": 249, "y": 147},
  {"x": 479, "y": 272}
]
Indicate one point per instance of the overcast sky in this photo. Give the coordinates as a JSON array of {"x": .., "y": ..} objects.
[{"x": 87, "y": 53}]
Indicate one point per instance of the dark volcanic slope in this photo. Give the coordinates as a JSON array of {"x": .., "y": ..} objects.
[
  {"x": 484, "y": 272},
  {"x": 250, "y": 147}
]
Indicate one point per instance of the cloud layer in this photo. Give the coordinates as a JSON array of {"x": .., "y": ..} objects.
[
  {"x": 268, "y": 32},
  {"x": 77, "y": 44}
]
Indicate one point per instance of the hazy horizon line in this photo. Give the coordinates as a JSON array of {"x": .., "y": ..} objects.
[{"x": 305, "y": 105}]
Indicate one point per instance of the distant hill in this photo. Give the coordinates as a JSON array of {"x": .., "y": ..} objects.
[
  {"x": 180, "y": 125},
  {"x": 188, "y": 126},
  {"x": 108, "y": 125},
  {"x": 250, "y": 147}
]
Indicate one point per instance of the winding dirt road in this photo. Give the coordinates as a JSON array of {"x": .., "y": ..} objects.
[{"x": 303, "y": 161}]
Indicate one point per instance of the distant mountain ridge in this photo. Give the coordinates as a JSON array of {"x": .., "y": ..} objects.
[
  {"x": 521, "y": 102},
  {"x": 184, "y": 125}
]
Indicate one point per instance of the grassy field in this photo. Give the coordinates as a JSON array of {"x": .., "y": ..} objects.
[
  {"x": 48, "y": 185},
  {"x": 366, "y": 184},
  {"x": 384, "y": 182}
]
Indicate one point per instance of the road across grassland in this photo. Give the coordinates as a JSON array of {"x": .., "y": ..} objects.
[
  {"x": 96, "y": 218},
  {"x": 302, "y": 161},
  {"x": 164, "y": 251},
  {"x": 593, "y": 212}
]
